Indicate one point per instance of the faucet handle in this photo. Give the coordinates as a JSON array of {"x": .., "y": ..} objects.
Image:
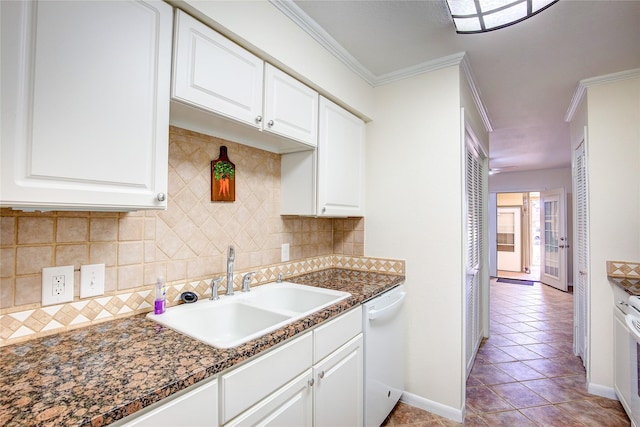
[
  {"x": 246, "y": 280},
  {"x": 280, "y": 276},
  {"x": 214, "y": 288}
]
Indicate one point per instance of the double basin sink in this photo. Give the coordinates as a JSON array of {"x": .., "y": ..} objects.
[{"x": 244, "y": 316}]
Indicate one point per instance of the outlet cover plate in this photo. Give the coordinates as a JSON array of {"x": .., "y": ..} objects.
[
  {"x": 91, "y": 280},
  {"x": 284, "y": 252},
  {"x": 57, "y": 285}
]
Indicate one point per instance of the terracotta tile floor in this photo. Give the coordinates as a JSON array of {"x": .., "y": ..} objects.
[{"x": 525, "y": 374}]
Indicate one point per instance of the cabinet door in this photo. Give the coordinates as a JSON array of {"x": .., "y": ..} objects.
[
  {"x": 338, "y": 394},
  {"x": 622, "y": 359},
  {"x": 85, "y": 104},
  {"x": 340, "y": 162},
  {"x": 213, "y": 73},
  {"x": 290, "y": 108},
  {"x": 289, "y": 406},
  {"x": 246, "y": 385},
  {"x": 196, "y": 406},
  {"x": 298, "y": 183}
]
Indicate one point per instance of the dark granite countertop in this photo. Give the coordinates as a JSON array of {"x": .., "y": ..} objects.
[{"x": 102, "y": 373}]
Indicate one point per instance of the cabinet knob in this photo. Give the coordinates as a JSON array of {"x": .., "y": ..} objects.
[
  {"x": 270, "y": 123},
  {"x": 321, "y": 375},
  {"x": 311, "y": 382},
  {"x": 162, "y": 197},
  {"x": 259, "y": 119}
]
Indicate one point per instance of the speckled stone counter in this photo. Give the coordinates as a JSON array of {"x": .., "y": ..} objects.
[{"x": 102, "y": 373}]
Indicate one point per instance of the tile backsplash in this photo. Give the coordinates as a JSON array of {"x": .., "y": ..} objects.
[{"x": 186, "y": 242}]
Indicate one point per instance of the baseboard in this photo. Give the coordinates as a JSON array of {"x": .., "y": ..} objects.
[
  {"x": 454, "y": 414},
  {"x": 602, "y": 391}
]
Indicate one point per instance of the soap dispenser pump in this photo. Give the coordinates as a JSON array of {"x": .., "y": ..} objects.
[{"x": 161, "y": 300}]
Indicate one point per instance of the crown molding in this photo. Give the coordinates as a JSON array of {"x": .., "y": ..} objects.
[
  {"x": 414, "y": 70},
  {"x": 298, "y": 16},
  {"x": 311, "y": 27},
  {"x": 475, "y": 93},
  {"x": 595, "y": 81}
]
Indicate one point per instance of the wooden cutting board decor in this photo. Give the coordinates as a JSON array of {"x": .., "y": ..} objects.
[{"x": 223, "y": 182}]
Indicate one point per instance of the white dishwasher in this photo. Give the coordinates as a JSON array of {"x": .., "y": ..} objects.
[{"x": 383, "y": 323}]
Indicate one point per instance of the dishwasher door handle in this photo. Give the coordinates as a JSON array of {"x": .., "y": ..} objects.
[{"x": 381, "y": 312}]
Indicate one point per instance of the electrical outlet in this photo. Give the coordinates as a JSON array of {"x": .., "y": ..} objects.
[
  {"x": 91, "y": 280},
  {"x": 284, "y": 252},
  {"x": 57, "y": 285}
]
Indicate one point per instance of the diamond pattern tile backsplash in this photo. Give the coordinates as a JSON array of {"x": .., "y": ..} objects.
[
  {"x": 625, "y": 274},
  {"x": 186, "y": 244}
]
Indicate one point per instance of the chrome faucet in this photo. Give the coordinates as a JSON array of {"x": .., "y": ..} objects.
[
  {"x": 246, "y": 281},
  {"x": 231, "y": 257}
]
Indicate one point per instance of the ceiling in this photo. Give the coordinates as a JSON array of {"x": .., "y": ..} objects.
[{"x": 526, "y": 74}]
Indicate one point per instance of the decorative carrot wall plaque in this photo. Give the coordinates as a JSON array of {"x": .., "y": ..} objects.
[{"x": 223, "y": 182}]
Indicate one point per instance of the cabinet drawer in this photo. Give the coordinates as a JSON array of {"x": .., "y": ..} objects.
[
  {"x": 330, "y": 336},
  {"x": 197, "y": 405},
  {"x": 242, "y": 387},
  {"x": 289, "y": 406}
]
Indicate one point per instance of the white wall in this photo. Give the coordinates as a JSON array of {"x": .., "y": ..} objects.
[
  {"x": 613, "y": 171},
  {"x": 548, "y": 179},
  {"x": 414, "y": 212},
  {"x": 261, "y": 28}
]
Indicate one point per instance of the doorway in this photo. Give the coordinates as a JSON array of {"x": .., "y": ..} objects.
[
  {"x": 509, "y": 238},
  {"x": 518, "y": 235}
]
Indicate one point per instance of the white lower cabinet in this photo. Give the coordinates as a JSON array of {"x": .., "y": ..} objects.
[
  {"x": 622, "y": 360},
  {"x": 250, "y": 383},
  {"x": 195, "y": 406},
  {"x": 315, "y": 379},
  {"x": 338, "y": 389},
  {"x": 329, "y": 393}
]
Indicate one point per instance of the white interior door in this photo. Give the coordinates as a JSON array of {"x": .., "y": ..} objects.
[
  {"x": 553, "y": 239},
  {"x": 509, "y": 239},
  {"x": 581, "y": 254},
  {"x": 476, "y": 208}
]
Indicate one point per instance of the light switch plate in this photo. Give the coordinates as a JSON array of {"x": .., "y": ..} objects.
[
  {"x": 91, "y": 280},
  {"x": 57, "y": 285},
  {"x": 284, "y": 253}
]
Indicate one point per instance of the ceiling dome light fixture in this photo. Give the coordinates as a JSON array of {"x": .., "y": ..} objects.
[{"x": 481, "y": 16}]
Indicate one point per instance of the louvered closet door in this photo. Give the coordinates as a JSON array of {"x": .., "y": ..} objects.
[
  {"x": 474, "y": 231},
  {"x": 580, "y": 277}
]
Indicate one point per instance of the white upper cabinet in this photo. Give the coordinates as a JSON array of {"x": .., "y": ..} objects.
[
  {"x": 85, "y": 104},
  {"x": 330, "y": 180},
  {"x": 290, "y": 108},
  {"x": 215, "y": 79},
  {"x": 340, "y": 162},
  {"x": 215, "y": 74}
]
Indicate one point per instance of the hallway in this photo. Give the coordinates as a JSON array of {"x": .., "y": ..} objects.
[{"x": 525, "y": 374}]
